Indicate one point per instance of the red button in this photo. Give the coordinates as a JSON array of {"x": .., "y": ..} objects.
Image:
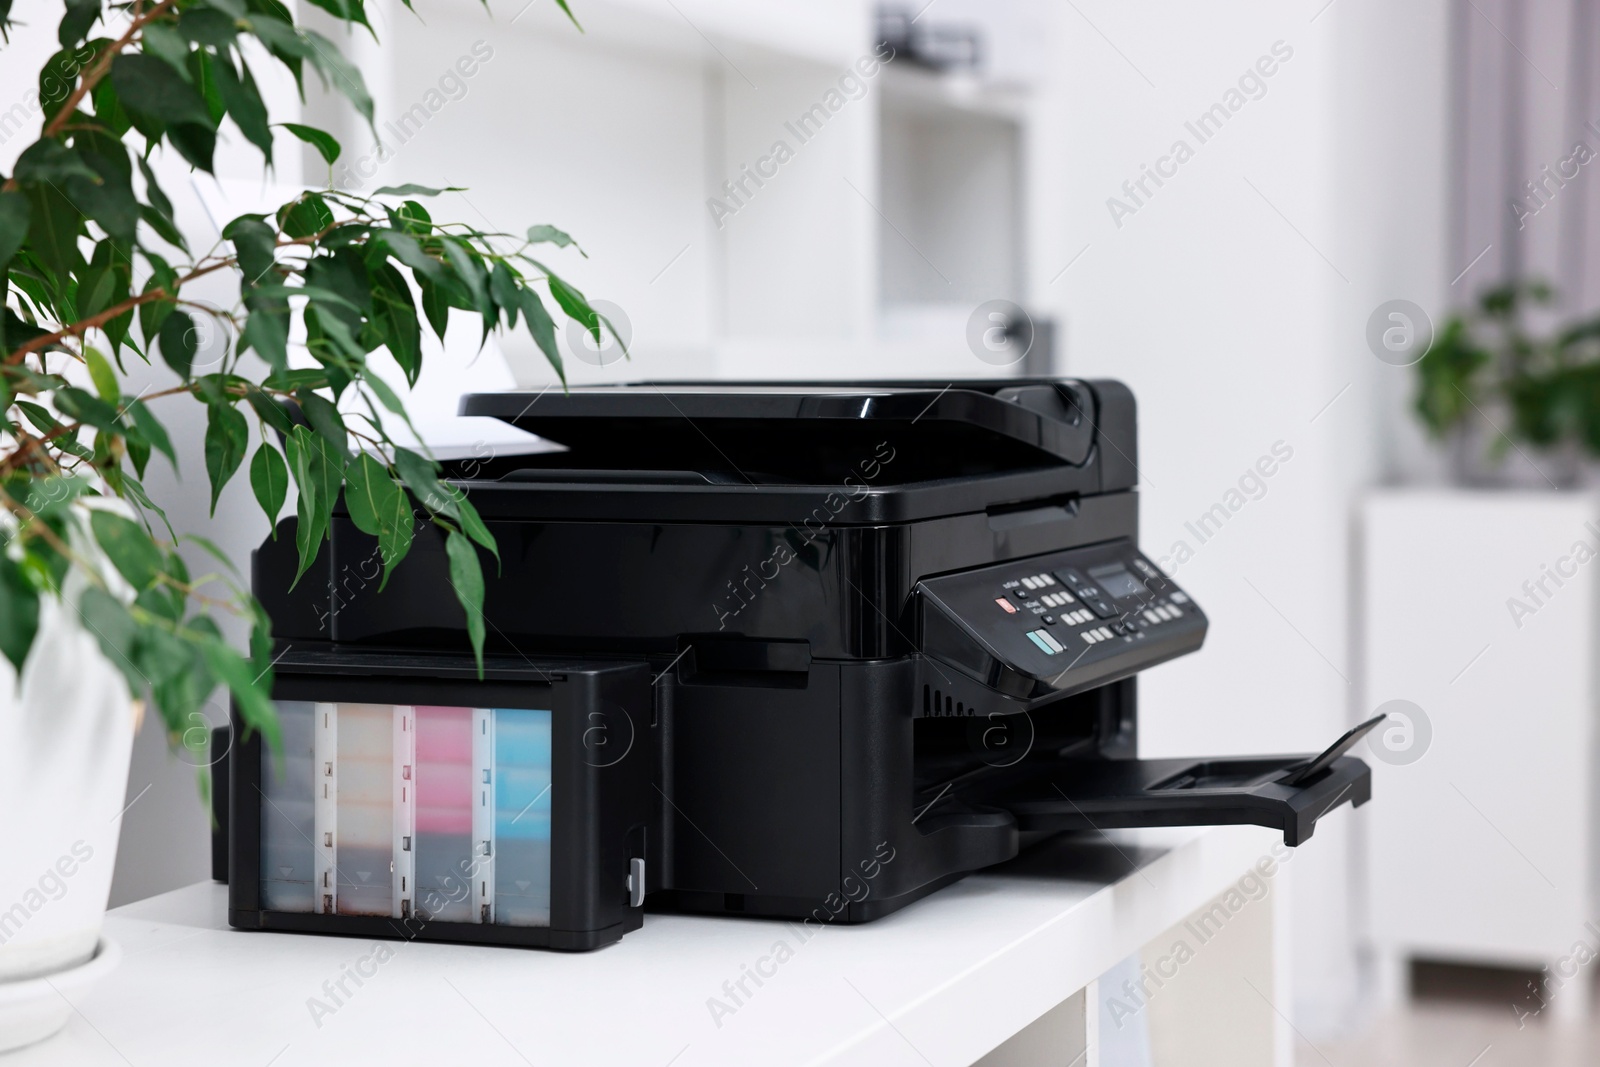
[{"x": 1011, "y": 609}]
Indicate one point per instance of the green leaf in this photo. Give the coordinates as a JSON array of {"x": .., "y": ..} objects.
[
  {"x": 367, "y": 487},
  {"x": 227, "y": 437},
  {"x": 323, "y": 142},
  {"x": 255, "y": 243},
  {"x": 101, "y": 374},
  {"x": 52, "y": 161},
  {"x": 576, "y": 307},
  {"x": 394, "y": 315},
  {"x": 346, "y": 10},
  {"x": 108, "y": 110},
  {"x": 466, "y": 576},
  {"x": 128, "y": 546},
  {"x": 542, "y": 329},
  {"x": 53, "y": 227},
  {"x": 550, "y": 235},
  {"x": 324, "y": 419},
  {"x": 19, "y": 622},
  {"x": 503, "y": 287},
  {"x": 318, "y": 470},
  {"x": 161, "y": 655},
  {"x": 251, "y": 698},
  {"x": 410, "y": 189},
  {"x": 269, "y": 477},
  {"x": 435, "y": 305},
  {"x": 562, "y": 4},
  {"x": 179, "y": 339},
  {"x": 471, "y": 524},
  {"x": 194, "y": 142},
  {"x": 345, "y": 276},
  {"x": 332, "y": 67},
  {"x": 422, "y": 478},
  {"x": 13, "y": 225},
  {"x": 162, "y": 40},
  {"x": 234, "y": 9},
  {"x": 152, "y": 430},
  {"x": 406, "y": 249},
  {"x": 150, "y": 86},
  {"x": 165, "y": 228},
  {"x": 469, "y": 269},
  {"x": 180, "y": 697},
  {"x": 378, "y": 506},
  {"x": 88, "y": 409},
  {"x": 153, "y": 192},
  {"x": 115, "y": 631},
  {"x": 270, "y": 411},
  {"x": 412, "y": 217},
  {"x": 266, "y": 331},
  {"x": 76, "y": 22},
  {"x": 242, "y": 99},
  {"x": 210, "y": 27},
  {"x": 212, "y": 549},
  {"x": 138, "y": 450},
  {"x": 306, "y": 216}
]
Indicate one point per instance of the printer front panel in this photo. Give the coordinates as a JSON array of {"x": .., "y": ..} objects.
[{"x": 410, "y": 799}]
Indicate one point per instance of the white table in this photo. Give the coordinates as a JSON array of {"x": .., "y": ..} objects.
[{"x": 942, "y": 982}]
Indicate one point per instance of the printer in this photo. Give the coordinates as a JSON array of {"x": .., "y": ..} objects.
[{"x": 796, "y": 650}]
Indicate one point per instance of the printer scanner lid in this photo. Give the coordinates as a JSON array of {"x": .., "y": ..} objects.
[{"x": 757, "y": 435}]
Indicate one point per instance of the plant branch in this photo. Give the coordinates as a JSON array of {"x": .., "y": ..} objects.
[
  {"x": 83, "y": 326},
  {"x": 101, "y": 65}
]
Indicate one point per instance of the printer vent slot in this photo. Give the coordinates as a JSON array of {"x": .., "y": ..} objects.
[{"x": 938, "y": 704}]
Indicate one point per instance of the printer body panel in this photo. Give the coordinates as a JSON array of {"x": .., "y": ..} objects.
[{"x": 890, "y": 632}]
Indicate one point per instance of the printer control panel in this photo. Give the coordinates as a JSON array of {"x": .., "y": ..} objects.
[{"x": 1066, "y": 620}]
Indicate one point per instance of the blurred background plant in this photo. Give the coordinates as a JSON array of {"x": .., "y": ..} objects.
[
  {"x": 1491, "y": 383},
  {"x": 92, "y": 272}
]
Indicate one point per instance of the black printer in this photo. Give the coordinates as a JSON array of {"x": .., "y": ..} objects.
[{"x": 798, "y": 650}]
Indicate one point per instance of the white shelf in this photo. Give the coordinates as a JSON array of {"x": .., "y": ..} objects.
[
  {"x": 909, "y": 191},
  {"x": 955, "y": 975}
]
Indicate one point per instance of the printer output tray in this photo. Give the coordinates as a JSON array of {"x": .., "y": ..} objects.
[
  {"x": 1288, "y": 793},
  {"x": 1115, "y": 794}
]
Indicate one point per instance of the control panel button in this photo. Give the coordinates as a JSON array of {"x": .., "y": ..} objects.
[
  {"x": 1152, "y": 616},
  {"x": 1049, "y": 620},
  {"x": 1020, "y": 594},
  {"x": 1009, "y": 607},
  {"x": 1047, "y": 643},
  {"x": 1179, "y": 597},
  {"x": 1100, "y": 607}
]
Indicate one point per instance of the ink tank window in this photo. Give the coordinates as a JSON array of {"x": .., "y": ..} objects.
[{"x": 438, "y": 813}]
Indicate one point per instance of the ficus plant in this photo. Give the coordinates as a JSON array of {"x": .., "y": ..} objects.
[{"x": 94, "y": 272}]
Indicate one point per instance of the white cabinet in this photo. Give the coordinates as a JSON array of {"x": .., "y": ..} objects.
[{"x": 1479, "y": 609}]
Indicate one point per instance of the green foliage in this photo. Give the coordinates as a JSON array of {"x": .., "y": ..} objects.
[
  {"x": 1487, "y": 360},
  {"x": 93, "y": 271}
]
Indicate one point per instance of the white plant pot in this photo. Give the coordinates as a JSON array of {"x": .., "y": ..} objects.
[{"x": 66, "y": 738}]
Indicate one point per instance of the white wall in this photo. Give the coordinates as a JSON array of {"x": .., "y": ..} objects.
[{"x": 1234, "y": 301}]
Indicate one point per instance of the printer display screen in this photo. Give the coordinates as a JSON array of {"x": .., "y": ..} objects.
[{"x": 1117, "y": 581}]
